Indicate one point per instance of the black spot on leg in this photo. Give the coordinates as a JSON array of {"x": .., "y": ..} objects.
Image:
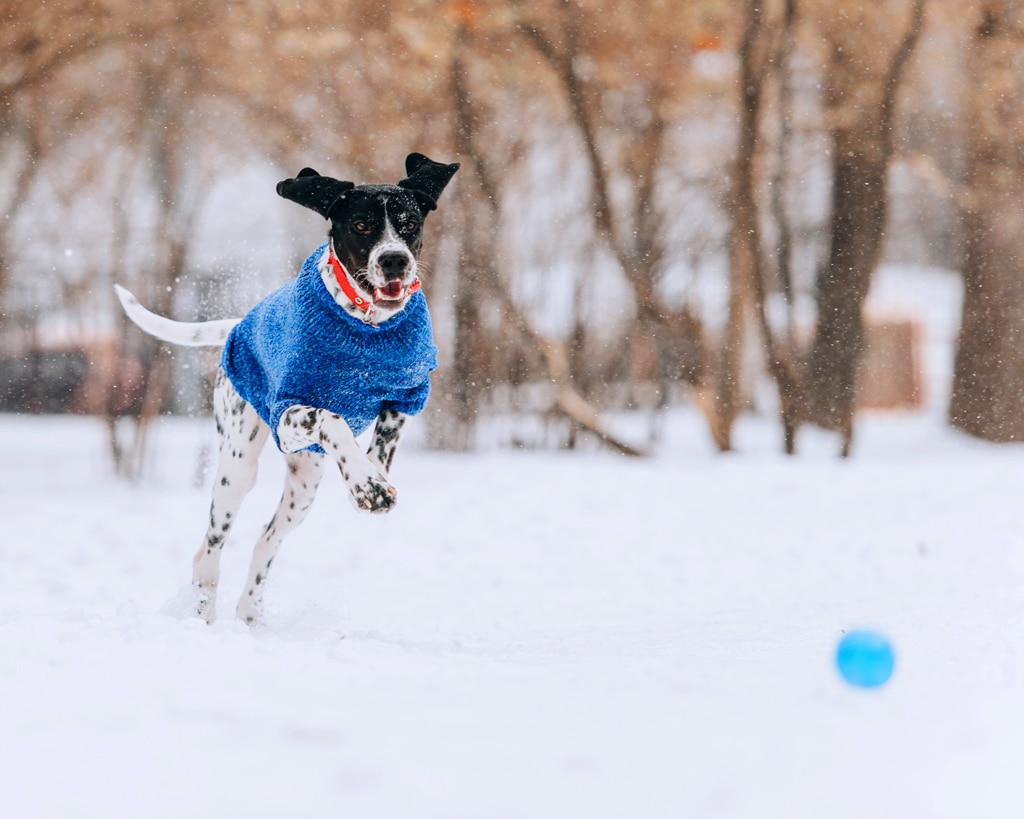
[
  {"x": 259, "y": 579},
  {"x": 224, "y": 481},
  {"x": 385, "y": 438},
  {"x": 252, "y": 435}
]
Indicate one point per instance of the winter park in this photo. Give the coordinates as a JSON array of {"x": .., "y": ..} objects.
[{"x": 656, "y": 366}]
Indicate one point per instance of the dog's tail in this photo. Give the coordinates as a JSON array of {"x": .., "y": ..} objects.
[{"x": 188, "y": 334}]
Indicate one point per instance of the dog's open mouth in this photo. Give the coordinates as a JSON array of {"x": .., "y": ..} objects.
[{"x": 392, "y": 291}]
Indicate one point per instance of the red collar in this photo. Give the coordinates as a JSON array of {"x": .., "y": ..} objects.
[{"x": 354, "y": 295}]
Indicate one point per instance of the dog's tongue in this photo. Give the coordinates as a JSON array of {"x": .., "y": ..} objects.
[{"x": 391, "y": 291}]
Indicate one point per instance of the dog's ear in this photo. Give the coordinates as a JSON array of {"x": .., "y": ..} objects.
[
  {"x": 319, "y": 193},
  {"x": 426, "y": 179}
]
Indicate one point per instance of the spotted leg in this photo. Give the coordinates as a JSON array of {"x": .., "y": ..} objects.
[
  {"x": 301, "y": 481},
  {"x": 368, "y": 489},
  {"x": 242, "y": 435},
  {"x": 386, "y": 434}
]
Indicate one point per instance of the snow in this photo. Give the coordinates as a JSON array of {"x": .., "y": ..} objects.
[{"x": 527, "y": 635}]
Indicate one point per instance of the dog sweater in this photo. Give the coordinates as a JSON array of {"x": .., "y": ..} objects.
[{"x": 298, "y": 346}]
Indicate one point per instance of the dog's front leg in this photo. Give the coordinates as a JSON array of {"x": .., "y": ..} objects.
[
  {"x": 386, "y": 434},
  {"x": 301, "y": 426}
]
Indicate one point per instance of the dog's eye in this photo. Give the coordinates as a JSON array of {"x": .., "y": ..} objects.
[
  {"x": 410, "y": 227},
  {"x": 362, "y": 226}
]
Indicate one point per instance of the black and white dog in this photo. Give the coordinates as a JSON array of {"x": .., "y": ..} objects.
[{"x": 345, "y": 345}]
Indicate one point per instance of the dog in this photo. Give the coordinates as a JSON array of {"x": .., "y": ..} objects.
[{"x": 346, "y": 344}]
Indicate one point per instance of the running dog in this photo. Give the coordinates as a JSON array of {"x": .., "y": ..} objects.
[{"x": 346, "y": 344}]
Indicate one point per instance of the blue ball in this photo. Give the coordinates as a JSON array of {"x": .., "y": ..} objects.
[{"x": 865, "y": 658}]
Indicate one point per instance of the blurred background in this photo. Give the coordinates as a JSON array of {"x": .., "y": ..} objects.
[{"x": 732, "y": 205}]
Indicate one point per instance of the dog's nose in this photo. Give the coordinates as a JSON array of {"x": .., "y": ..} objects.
[{"x": 393, "y": 265}]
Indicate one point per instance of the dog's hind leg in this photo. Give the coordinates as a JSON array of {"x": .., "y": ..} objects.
[
  {"x": 301, "y": 481},
  {"x": 242, "y": 435}
]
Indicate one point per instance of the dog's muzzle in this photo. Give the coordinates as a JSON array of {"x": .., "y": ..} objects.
[{"x": 391, "y": 293}]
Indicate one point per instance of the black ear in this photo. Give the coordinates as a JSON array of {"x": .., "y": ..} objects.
[
  {"x": 427, "y": 179},
  {"x": 319, "y": 193}
]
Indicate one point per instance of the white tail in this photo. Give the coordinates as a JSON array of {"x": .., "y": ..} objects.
[{"x": 186, "y": 333}]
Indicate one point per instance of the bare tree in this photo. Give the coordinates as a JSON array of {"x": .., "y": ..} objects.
[
  {"x": 862, "y": 86},
  {"x": 988, "y": 382},
  {"x": 480, "y": 273},
  {"x": 746, "y": 273},
  {"x": 641, "y": 66}
]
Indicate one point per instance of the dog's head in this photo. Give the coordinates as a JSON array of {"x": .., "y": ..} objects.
[{"x": 376, "y": 230}]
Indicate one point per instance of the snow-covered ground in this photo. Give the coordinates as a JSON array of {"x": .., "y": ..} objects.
[{"x": 527, "y": 635}]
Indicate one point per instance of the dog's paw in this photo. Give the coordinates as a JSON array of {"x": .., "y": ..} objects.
[
  {"x": 205, "y": 604},
  {"x": 250, "y": 614},
  {"x": 374, "y": 495},
  {"x": 368, "y": 489}
]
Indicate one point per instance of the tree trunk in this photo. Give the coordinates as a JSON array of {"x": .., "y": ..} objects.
[
  {"x": 988, "y": 373},
  {"x": 743, "y": 261},
  {"x": 862, "y": 147},
  {"x": 859, "y": 208}
]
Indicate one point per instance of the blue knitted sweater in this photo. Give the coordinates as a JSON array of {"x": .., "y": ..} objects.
[{"x": 298, "y": 346}]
